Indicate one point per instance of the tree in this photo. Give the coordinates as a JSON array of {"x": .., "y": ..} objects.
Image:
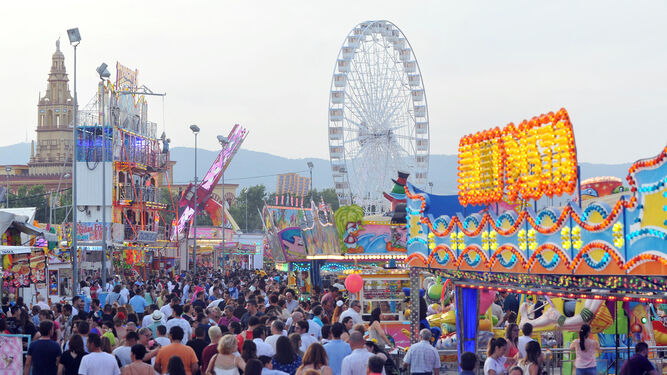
[
  {"x": 33, "y": 197},
  {"x": 249, "y": 202},
  {"x": 328, "y": 195}
]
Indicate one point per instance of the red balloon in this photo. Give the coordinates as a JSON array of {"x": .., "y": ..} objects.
[{"x": 354, "y": 283}]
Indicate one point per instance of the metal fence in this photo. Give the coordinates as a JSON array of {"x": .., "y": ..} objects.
[{"x": 556, "y": 360}]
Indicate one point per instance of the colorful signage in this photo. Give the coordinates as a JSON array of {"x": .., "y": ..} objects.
[{"x": 538, "y": 157}]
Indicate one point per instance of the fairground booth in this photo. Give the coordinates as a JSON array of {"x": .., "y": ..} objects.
[
  {"x": 362, "y": 255},
  {"x": 602, "y": 263}
]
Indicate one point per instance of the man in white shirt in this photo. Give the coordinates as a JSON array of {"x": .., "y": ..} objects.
[
  {"x": 123, "y": 352},
  {"x": 306, "y": 338},
  {"x": 356, "y": 363},
  {"x": 125, "y": 294},
  {"x": 178, "y": 321},
  {"x": 97, "y": 362},
  {"x": 258, "y": 336},
  {"x": 40, "y": 302},
  {"x": 277, "y": 327},
  {"x": 526, "y": 330},
  {"x": 167, "y": 310},
  {"x": 290, "y": 302},
  {"x": 353, "y": 312},
  {"x": 314, "y": 329},
  {"x": 422, "y": 357}
]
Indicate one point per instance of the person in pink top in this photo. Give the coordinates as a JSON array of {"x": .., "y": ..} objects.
[{"x": 585, "y": 350}]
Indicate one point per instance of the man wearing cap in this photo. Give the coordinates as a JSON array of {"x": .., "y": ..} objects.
[{"x": 158, "y": 320}]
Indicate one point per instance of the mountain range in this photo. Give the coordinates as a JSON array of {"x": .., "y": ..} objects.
[{"x": 253, "y": 168}]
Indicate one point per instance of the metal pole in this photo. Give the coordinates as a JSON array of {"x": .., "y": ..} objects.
[
  {"x": 194, "y": 244},
  {"x": 74, "y": 252},
  {"x": 7, "y": 195},
  {"x": 224, "y": 217},
  {"x": 246, "y": 210},
  {"x": 104, "y": 187}
]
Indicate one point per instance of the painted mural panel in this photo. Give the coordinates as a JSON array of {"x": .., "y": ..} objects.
[{"x": 363, "y": 236}]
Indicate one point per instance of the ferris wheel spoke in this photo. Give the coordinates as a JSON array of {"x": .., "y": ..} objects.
[{"x": 378, "y": 117}]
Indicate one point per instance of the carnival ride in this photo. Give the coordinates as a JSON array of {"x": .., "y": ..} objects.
[
  {"x": 378, "y": 115},
  {"x": 593, "y": 265},
  {"x": 205, "y": 195}
]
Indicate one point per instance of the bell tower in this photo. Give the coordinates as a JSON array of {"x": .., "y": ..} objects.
[{"x": 54, "y": 122}]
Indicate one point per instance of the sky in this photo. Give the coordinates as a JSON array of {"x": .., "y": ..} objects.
[{"x": 267, "y": 65}]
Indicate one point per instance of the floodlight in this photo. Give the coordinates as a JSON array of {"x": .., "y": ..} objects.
[
  {"x": 194, "y": 128},
  {"x": 73, "y": 35},
  {"x": 102, "y": 71},
  {"x": 310, "y": 164},
  {"x": 223, "y": 140}
]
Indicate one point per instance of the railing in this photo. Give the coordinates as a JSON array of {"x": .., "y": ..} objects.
[
  {"x": 138, "y": 193},
  {"x": 556, "y": 360}
]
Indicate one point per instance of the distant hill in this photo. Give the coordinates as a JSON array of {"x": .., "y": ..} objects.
[{"x": 253, "y": 168}]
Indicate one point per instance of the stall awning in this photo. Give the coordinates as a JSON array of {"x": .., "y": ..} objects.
[
  {"x": 28, "y": 228},
  {"x": 19, "y": 219}
]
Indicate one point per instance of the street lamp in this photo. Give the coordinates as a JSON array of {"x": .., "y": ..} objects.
[
  {"x": 57, "y": 198},
  {"x": 103, "y": 72},
  {"x": 8, "y": 170},
  {"x": 310, "y": 167},
  {"x": 224, "y": 142},
  {"x": 195, "y": 130},
  {"x": 74, "y": 40}
]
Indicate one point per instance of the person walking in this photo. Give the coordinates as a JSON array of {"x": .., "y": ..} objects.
[
  {"x": 138, "y": 366},
  {"x": 495, "y": 357},
  {"x": 422, "y": 357},
  {"x": 71, "y": 359},
  {"x": 512, "y": 337},
  {"x": 43, "y": 354},
  {"x": 178, "y": 349},
  {"x": 356, "y": 362},
  {"x": 639, "y": 364},
  {"x": 316, "y": 359},
  {"x": 337, "y": 349},
  {"x": 286, "y": 359},
  {"x": 526, "y": 331},
  {"x": 585, "y": 350},
  {"x": 469, "y": 363},
  {"x": 353, "y": 312},
  {"x": 226, "y": 362},
  {"x": 178, "y": 321},
  {"x": 375, "y": 330},
  {"x": 532, "y": 362},
  {"x": 98, "y": 362}
]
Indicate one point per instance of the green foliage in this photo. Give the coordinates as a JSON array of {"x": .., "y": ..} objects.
[
  {"x": 33, "y": 197},
  {"x": 245, "y": 209},
  {"x": 328, "y": 195}
]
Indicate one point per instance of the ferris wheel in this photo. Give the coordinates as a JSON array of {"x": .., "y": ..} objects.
[{"x": 378, "y": 116}]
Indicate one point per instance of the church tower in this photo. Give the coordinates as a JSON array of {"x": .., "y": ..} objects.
[{"x": 54, "y": 123}]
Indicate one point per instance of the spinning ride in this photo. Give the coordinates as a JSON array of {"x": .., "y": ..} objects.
[{"x": 378, "y": 115}]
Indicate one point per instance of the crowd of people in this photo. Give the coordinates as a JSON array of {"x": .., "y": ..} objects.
[{"x": 245, "y": 322}]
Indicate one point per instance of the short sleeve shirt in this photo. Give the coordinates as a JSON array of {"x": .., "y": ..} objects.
[
  {"x": 44, "y": 355},
  {"x": 176, "y": 349}
]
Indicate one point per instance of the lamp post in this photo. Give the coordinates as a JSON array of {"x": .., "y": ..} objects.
[
  {"x": 195, "y": 130},
  {"x": 224, "y": 142},
  {"x": 74, "y": 40},
  {"x": 103, "y": 72},
  {"x": 8, "y": 170},
  {"x": 56, "y": 198},
  {"x": 310, "y": 167}
]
